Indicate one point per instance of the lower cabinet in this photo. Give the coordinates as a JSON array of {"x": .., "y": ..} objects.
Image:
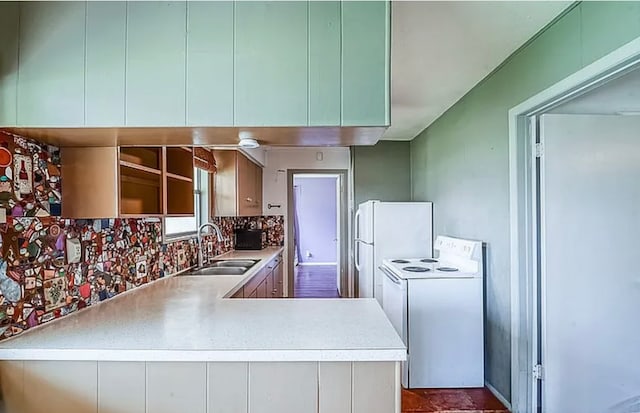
[
  {"x": 268, "y": 283},
  {"x": 200, "y": 387},
  {"x": 278, "y": 278}
]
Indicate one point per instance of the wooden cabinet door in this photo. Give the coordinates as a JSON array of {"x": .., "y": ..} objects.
[
  {"x": 253, "y": 294},
  {"x": 262, "y": 289},
  {"x": 270, "y": 285},
  {"x": 365, "y": 63},
  {"x": 271, "y": 62},
  {"x": 51, "y": 75},
  {"x": 257, "y": 189},
  {"x": 226, "y": 184},
  {"x": 246, "y": 186},
  {"x": 278, "y": 277}
]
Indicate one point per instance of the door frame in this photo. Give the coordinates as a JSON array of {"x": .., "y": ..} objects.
[
  {"x": 343, "y": 212},
  {"x": 525, "y": 271}
]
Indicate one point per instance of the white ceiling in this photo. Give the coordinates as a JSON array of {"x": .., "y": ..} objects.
[
  {"x": 618, "y": 96},
  {"x": 440, "y": 50}
]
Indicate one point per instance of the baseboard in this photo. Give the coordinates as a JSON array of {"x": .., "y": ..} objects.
[
  {"x": 498, "y": 395},
  {"x": 317, "y": 263}
]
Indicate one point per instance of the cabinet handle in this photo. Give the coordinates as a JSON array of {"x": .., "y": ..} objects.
[{"x": 249, "y": 200}]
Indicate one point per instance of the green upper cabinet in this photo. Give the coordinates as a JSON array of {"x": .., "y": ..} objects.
[
  {"x": 365, "y": 63},
  {"x": 325, "y": 63},
  {"x": 155, "y": 63},
  {"x": 271, "y": 63},
  {"x": 9, "y": 18},
  {"x": 210, "y": 63},
  {"x": 105, "y": 63},
  {"x": 201, "y": 63},
  {"x": 51, "y": 64}
]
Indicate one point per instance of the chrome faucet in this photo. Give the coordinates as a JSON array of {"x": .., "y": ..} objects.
[{"x": 218, "y": 234}]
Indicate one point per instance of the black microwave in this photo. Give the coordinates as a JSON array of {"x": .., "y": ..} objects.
[{"x": 248, "y": 239}]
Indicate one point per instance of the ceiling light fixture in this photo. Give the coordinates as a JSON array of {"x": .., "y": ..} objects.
[{"x": 248, "y": 143}]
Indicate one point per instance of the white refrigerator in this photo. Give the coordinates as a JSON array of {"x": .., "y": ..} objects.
[{"x": 389, "y": 230}]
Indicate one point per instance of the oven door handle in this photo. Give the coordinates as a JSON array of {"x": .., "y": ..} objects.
[{"x": 391, "y": 276}]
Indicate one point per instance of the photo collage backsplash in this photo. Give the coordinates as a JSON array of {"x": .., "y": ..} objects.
[{"x": 51, "y": 266}]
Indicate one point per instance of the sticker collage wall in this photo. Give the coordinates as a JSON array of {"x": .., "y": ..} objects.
[{"x": 51, "y": 266}]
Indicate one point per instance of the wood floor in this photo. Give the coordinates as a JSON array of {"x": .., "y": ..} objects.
[
  {"x": 315, "y": 281},
  {"x": 451, "y": 401}
]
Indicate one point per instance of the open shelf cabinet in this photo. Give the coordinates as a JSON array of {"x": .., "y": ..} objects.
[
  {"x": 127, "y": 182},
  {"x": 178, "y": 180}
]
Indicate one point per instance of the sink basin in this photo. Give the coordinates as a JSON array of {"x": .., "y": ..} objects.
[
  {"x": 220, "y": 271},
  {"x": 233, "y": 263},
  {"x": 226, "y": 267}
]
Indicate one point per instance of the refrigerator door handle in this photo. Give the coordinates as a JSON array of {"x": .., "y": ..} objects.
[
  {"x": 356, "y": 255},
  {"x": 358, "y": 240},
  {"x": 357, "y": 224}
]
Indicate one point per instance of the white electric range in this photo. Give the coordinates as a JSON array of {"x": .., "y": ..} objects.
[{"x": 436, "y": 306}]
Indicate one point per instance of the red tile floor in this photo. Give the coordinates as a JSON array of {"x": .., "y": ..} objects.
[{"x": 479, "y": 400}]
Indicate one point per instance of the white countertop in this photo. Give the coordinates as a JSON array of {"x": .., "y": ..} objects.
[{"x": 186, "y": 318}]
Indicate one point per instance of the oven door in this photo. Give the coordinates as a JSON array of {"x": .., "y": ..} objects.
[{"x": 394, "y": 291}]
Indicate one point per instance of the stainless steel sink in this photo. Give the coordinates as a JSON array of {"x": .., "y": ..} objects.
[
  {"x": 220, "y": 271},
  {"x": 226, "y": 267},
  {"x": 233, "y": 263}
]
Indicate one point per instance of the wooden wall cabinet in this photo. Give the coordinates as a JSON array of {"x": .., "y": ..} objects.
[
  {"x": 238, "y": 185},
  {"x": 127, "y": 182}
]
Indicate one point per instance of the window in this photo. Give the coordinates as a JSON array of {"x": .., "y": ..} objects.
[{"x": 176, "y": 227}]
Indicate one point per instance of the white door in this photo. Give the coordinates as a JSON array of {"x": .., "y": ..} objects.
[{"x": 590, "y": 280}]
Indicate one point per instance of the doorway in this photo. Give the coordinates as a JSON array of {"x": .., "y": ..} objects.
[
  {"x": 574, "y": 163},
  {"x": 317, "y": 234}
]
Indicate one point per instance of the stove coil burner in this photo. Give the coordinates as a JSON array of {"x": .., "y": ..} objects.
[
  {"x": 401, "y": 261},
  {"x": 428, "y": 260},
  {"x": 447, "y": 269},
  {"x": 416, "y": 269}
]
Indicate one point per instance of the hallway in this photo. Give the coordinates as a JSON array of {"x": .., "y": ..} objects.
[{"x": 315, "y": 281}]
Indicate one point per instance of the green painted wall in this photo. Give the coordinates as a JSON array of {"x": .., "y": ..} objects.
[
  {"x": 461, "y": 161},
  {"x": 382, "y": 172}
]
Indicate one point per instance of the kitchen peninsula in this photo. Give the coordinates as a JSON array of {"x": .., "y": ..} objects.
[{"x": 179, "y": 344}]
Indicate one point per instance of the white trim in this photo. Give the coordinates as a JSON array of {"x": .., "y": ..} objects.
[
  {"x": 317, "y": 176},
  {"x": 498, "y": 395},
  {"x": 310, "y": 264},
  {"x": 520, "y": 206}
]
